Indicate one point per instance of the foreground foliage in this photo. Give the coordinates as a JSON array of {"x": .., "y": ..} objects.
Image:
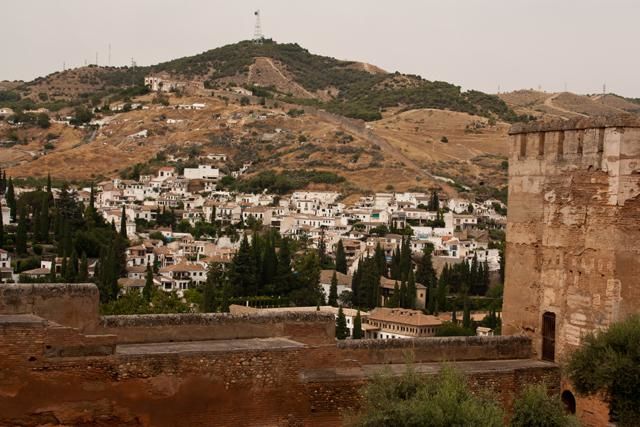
[
  {"x": 609, "y": 363},
  {"x": 535, "y": 408},
  {"x": 415, "y": 400}
]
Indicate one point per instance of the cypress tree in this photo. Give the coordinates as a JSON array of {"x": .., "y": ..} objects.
[
  {"x": 405, "y": 258},
  {"x": 380, "y": 260},
  {"x": 1, "y": 227},
  {"x": 49, "y": 190},
  {"x": 394, "y": 301},
  {"x": 44, "y": 219},
  {"x": 486, "y": 281},
  {"x": 341, "y": 258},
  {"x": 283, "y": 280},
  {"x": 21, "y": 233},
  {"x": 243, "y": 272},
  {"x": 11, "y": 199},
  {"x": 147, "y": 291},
  {"x": 357, "y": 327},
  {"x": 83, "y": 269},
  {"x": 123, "y": 224},
  {"x": 269, "y": 263},
  {"x": 411, "y": 291},
  {"x": 356, "y": 283},
  {"x": 402, "y": 300},
  {"x": 35, "y": 225},
  {"x": 75, "y": 267},
  {"x": 342, "y": 332},
  {"x": 333, "y": 291},
  {"x": 441, "y": 295},
  {"x": 396, "y": 269},
  {"x": 63, "y": 268},
  {"x": 67, "y": 242},
  {"x": 466, "y": 316}
]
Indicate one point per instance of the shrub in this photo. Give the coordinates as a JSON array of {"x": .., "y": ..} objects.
[
  {"x": 415, "y": 400},
  {"x": 536, "y": 408},
  {"x": 609, "y": 363}
]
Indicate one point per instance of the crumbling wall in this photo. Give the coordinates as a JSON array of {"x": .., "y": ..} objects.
[
  {"x": 309, "y": 328},
  {"x": 74, "y": 305},
  {"x": 310, "y": 385}
]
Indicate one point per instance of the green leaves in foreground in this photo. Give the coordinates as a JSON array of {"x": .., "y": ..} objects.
[{"x": 416, "y": 400}]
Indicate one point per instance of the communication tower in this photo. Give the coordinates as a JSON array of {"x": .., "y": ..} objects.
[{"x": 258, "y": 37}]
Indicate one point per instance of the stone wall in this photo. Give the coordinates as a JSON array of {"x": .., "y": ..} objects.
[
  {"x": 74, "y": 305},
  {"x": 309, "y": 328},
  {"x": 572, "y": 229},
  {"x": 308, "y": 385}
]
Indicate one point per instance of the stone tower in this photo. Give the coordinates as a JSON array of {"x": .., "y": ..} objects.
[{"x": 573, "y": 230}]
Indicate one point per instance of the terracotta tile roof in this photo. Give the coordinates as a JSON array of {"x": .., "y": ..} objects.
[
  {"x": 343, "y": 279},
  {"x": 403, "y": 316}
]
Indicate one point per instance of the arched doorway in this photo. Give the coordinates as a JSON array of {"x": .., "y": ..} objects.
[
  {"x": 549, "y": 336},
  {"x": 569, "y": 401}
]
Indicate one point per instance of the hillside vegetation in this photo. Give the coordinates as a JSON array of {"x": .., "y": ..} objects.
[{"x": 342, "y": 87}]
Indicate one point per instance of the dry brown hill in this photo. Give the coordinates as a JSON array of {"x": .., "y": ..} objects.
[
  {"x": 402, "y": 152},
  {"x": 567, "y": 105}
]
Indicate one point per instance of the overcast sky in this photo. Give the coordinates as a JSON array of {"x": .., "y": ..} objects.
[{"x": 479, "y": 44}]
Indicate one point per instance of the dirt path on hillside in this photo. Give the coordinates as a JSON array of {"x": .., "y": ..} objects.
[
  {"x": 360, "y": 129},
  {"x": 549, "y": 103}
]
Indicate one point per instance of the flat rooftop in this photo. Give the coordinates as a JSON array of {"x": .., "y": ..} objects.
[
  {"x": 207, "y": 346},
  {"x": 21, "y": 320}
]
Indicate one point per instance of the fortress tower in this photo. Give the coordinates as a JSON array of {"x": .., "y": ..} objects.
[{"x": 573, "y": 233}]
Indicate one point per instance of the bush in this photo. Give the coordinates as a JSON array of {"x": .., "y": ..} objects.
[
  {"x": 415, "y": 400},
  {"x": 609, "y": 363},
  {"x": 450, "y": 329},
  {"x": 535, "y": 408}
]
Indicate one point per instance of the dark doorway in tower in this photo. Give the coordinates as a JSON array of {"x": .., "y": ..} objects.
[{"x": 549, "y": 336}]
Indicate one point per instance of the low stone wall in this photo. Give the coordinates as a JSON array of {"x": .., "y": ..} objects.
[
  {"x": 437, "y": 349},
  {"x": 309, "y": 328},
  {"x": 74, "y": 305}
]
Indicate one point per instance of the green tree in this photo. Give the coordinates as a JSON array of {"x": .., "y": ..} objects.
[
  {"x": 10, "y": 196},
  {"x": 410, "y": 297},
  {"x": 341, "y": 258},
  {"x": 21, "y": 233},
  {"x": 1, "y": 227},
  {"x": 243, "y": 270},
  {"x": 45, "y": 222},
  {"x": 212, "y": 288},
  {"x": 536, "y": 408},
  {"x": 123, "y": 224},
  {"x": 333, "y": 291},
  {"x": 284, "y": 276},
  {"x": 307, "y": 291},
  {"x": 608, "y": 363},
  {"x": 147, "y": 291},
  {"x": 451, "y": 329},
  {"x": 83, "y": 269},
  {"x": 429, "y": 401},
  {"x": 342, "y": 332},
  {"x": 357, "y": 327}
]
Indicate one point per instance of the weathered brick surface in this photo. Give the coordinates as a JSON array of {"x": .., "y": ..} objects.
[
  {"x": 572, "y": 231},
  {"x": 312, "y": 328},
  {"x": 264, "y": 387}
]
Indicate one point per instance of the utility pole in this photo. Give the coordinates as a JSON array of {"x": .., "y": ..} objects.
[{"x": 109, "y": 61}]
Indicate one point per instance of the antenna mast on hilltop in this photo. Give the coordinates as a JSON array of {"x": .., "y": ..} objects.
[{"x": 258, "y": 37}]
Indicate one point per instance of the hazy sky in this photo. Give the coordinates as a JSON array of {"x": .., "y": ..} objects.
[{"x": 479, "y": 44}]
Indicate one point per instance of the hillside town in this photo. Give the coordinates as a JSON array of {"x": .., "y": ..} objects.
[{"x": 179, "y": 225}]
